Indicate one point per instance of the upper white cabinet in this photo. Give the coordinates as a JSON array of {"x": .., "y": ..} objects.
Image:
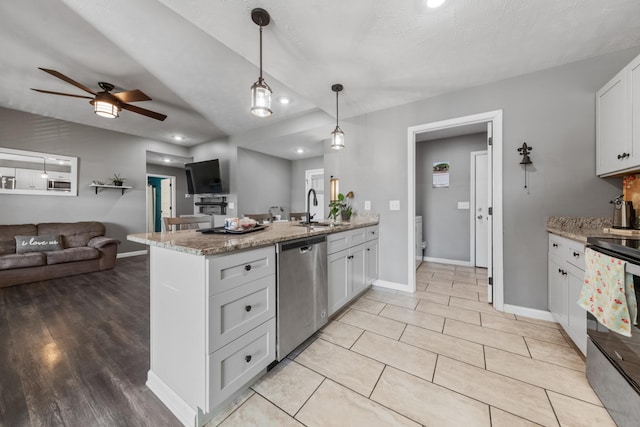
[{"x": 618, "y": 122}]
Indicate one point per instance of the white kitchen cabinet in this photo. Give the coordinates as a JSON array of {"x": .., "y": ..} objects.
[
  {"x": 212, "y": 327},
  {"x": 350, "y": 265},
  {"x": 30, "y": 179},
  {"x": 618, "y": 122},
  {"x": 7, "y": 171},
  {"x": 565, "y": 278}
]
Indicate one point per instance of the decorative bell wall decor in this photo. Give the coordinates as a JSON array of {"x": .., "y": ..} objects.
[{"x": 526, "y": 160}]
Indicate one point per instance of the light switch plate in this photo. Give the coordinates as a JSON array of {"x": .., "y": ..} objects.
[
  {"x": 231, "y": 205},
  {"x": 463, "y": 205},
  {"x": 367, "y": 205},
  {"x": 394, "y": 205},
  {"x": 187, "y": 196}
]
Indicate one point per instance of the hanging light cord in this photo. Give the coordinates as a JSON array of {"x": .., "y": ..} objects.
[
  {"x": 260, "y": 51},
  {"x": 337, "y": 113}
]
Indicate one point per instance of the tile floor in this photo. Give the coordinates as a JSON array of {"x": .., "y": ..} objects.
[{"x": 439, "y": 357}]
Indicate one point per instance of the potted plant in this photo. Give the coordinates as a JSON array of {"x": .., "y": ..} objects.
[
  {"x": 341, "y": 206},
  {"x": 117, "y": 180}
]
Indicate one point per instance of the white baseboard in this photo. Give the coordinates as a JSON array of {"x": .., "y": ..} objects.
[
  {"x": 133, "y": 253},
  {"x": 185, "y": 414},
  {"x": 391, "y": 285},
  {"x": 528, "y": 312},
  {"x": 448, "y": 261}
]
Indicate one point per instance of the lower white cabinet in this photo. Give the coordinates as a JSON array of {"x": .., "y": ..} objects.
[
  {"x": 352, "y": 269},
  {"x": 565, "y": 278}
]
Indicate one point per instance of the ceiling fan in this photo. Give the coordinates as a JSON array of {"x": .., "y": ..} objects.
[{"x": 107, "y": 104}]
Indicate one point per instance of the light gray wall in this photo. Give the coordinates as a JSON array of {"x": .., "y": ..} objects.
[
  {"x": 298, "y": 168},
  {"x": 262, "y": 181},
  {"x": 184, "y": 205},
  {"x": 552, "y": 110},
  {"x": 101, "y": 153},
  {"x": 445, "y": 227}
]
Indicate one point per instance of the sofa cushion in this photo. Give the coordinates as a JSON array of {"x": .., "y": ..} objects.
[
  {"x": 71, "y": 255},
  {"x": 31, "y": 259},
  {"x": 8, "y": 234},
  {"x": 26, "y": 244},
  {"x": 74, "y": 234}
]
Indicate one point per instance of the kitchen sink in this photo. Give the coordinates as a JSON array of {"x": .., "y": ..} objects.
[{"x": 317, "y": 224}]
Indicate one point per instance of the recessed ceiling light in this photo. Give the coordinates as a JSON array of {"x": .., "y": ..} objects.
[
  {"x": 434, "y": 3},
  {"x": 178, "y": 137},
  {"x": 284, "y": 100},
  {"x": 299, "y": 150},
  {"x": 167, "y": 160}
]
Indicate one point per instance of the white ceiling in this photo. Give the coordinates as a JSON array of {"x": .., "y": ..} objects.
[{"x": 198, "y": 58}]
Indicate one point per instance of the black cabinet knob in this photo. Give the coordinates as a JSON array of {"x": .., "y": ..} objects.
[
  {"x": 576, "y": 254},
  {"x": 555, "y": 245},
  {"x": 247, "y": 267},
  {"x": 247, "y": 308},
  {"x": 247, "y": 358}
]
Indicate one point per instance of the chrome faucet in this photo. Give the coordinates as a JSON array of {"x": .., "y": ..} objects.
[{"x": 315, "y": 203}]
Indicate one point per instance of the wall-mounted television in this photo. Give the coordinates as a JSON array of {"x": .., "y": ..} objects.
[{"x": 203, "y": 177}]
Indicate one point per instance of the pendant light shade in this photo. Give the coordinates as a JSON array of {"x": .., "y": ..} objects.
[
  {"x": 106, "y": 109},
  {"x": 334, "y": 189},
  {"x": 260, "y": 90},
  {"x": 337, "y": 136}
]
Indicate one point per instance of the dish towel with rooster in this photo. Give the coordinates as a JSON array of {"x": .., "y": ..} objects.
[{"x": 607, "y": 292}]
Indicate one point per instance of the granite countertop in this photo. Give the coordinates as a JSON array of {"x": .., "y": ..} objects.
[
  {"x": 196, "y": 243},
  {"x": 579, "y": 228}
]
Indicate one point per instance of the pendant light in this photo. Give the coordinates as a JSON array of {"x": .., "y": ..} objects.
[
  {"x": 337, "y": 136},
  {"x": 260, "y": 90}
]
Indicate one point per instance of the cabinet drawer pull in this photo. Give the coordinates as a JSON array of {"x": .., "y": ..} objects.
[
  {"x": 576, "y": 254},
  {"x": 247, "y": 308},
  {"x": 368, "y": 249},
  {"x": 350, "y": 257},
  {"x": 247, "y": 267},
  {"x": 247, "y": 358},
  {"x": 555, "y": 245}
]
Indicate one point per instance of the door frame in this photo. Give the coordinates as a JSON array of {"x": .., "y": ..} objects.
[
  {"x": 496, "y": 257},
  {"x": 173, "y": 192},
  {"x": 472, "y": 207}
]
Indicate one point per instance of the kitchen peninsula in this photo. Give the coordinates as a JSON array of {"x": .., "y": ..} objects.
[{"x": 213, "y": 306}]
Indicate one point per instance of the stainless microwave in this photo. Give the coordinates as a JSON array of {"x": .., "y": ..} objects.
[{"x": 59, "y": 185}]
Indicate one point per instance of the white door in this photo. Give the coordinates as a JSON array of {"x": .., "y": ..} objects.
[
  {"x": 166, "y": 208},
  {"x": 151, "y": 213},
  {"x": 481, "y": 205},
  {"x": 314, "y": 178}
]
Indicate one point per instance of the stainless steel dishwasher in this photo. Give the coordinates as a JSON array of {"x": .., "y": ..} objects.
[{"x": 302, "y": 293}]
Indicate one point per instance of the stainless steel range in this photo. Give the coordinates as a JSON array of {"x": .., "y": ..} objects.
[{"x": 613, "y": 360}]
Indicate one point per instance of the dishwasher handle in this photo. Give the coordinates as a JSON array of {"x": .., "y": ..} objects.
[{"x": 305, "y": 249}]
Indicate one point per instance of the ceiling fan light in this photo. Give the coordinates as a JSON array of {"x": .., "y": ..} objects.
[
  {"x": 106, "y": 109},
  {"x": 261, "y": 99},
  {"x": 337, "y": 139},
  {"x": 434, "y": 3}
]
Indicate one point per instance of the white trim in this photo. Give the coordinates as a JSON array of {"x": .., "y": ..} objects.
[
  {"x": 393, "y": 285},
  {"x": 529, "y": 312},
  {"x": 130, "y": 254},
  {"x": 496, "y": 252},
  {"x": 448, "y": 261},
  {"x": 183, "y": 412}
]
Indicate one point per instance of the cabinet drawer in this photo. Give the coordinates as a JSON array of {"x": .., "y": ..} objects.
[
  {"x": 575, "y": 254},
  {"x": 557, "y": 246},
  {"x": 229, "y": 271},
  {"x": 231, "y": 367},
  {"x": 237, "y": 311},
  {"x": 337, "y": 242},
  {"x": 372, "y": 232},
  {"x": 357, "y": 236}
]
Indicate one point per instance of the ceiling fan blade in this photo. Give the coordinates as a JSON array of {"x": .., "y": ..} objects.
[
  {"x": 67, "y": 79},
  {"x": 143, "y": 111},
  {"x": 132, "y": 96},
  {"x": 60, "y": 93}
]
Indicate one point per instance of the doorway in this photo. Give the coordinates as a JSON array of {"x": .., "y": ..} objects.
[
  {"x": 314, "y": 178},
  {"x": 161, "y": 200},
  {"x": 493, "y": 122}
]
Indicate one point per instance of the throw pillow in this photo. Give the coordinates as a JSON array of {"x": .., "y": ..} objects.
[{"x": 26, "y": 244}]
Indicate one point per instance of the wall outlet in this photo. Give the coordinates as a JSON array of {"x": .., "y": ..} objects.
[
  {"x": 394, "y": 205},
  {"x": 231, "y": 205},
  {"x": 367, "y": 205},
  {"x": 187, "y": 196},
  {"x": 463, "y": 205}
]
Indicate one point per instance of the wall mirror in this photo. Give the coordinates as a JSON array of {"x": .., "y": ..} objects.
[{"x": 34, "y": 173}]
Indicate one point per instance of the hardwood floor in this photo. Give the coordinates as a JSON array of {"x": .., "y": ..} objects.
[{"x": 75, "y": 351}]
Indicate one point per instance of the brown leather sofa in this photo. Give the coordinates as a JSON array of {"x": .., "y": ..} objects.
[{"x": 84, "y": 249}]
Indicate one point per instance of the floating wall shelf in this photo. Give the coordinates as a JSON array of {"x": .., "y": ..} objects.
[{"x": 114, "y": 187}]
